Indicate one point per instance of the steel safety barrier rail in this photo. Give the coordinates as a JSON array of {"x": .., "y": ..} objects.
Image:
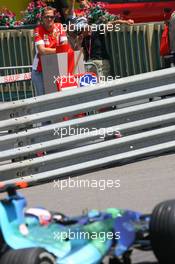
[
  {"x": 103, "y": 90},
  {"x": 70, "y": 110},
  {"x": 132, "y": 118},
  {"x": 94, "y": 164},
  {"x": 30, "y": 140},
  {"x": 82, "y": 154},
  {"x": 126, "y": 128}
]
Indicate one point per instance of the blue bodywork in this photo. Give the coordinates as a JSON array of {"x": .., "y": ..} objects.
[{"x": 127, "y": 224}]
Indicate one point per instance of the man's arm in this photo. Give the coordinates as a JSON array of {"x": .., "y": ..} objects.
[
  {"x": 42, "y": 50},
  {"x": 121, "y": 21}
]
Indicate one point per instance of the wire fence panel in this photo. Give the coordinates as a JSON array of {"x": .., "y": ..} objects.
[
  {"x": 135, "y": 49},
  {"x": 15, "y": 83},
  {"x": 16, "y": 49}
]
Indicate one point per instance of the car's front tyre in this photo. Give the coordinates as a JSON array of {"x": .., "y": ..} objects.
[
  {"x": 162, "y": 232},
  {"x": 27, "y": 256}
]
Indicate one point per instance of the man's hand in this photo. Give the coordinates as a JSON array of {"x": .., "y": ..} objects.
[{"x": 130, "y": 21}]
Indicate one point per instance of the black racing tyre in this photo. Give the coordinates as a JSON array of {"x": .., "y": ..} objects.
[
  {"x": 162, "y": 232},
  {"x": 27, "y": 256}
]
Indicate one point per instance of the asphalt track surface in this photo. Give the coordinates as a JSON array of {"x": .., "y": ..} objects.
[{"x": 143, "y": 184}]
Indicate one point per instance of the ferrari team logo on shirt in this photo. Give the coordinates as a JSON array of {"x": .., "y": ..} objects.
[{"x": 56, "y": 35}]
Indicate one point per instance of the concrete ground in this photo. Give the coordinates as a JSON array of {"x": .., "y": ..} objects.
[{"x": 143, "y": 184}]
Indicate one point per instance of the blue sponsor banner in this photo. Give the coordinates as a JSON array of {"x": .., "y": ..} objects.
[{"x": 88, "y": 79}]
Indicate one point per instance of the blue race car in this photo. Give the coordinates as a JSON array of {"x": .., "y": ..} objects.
[{"x": 38, "y": 236}]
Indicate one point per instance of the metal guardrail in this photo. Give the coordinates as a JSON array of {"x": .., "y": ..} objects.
[
  {"x": 140, "y": 108},
  {"x": 122, "y": 86}
]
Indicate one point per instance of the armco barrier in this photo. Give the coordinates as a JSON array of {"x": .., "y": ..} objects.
[{"x": 139, "y": 120}]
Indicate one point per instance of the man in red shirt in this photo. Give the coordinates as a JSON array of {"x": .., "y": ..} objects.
[{"x": 47, "y": 36}]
